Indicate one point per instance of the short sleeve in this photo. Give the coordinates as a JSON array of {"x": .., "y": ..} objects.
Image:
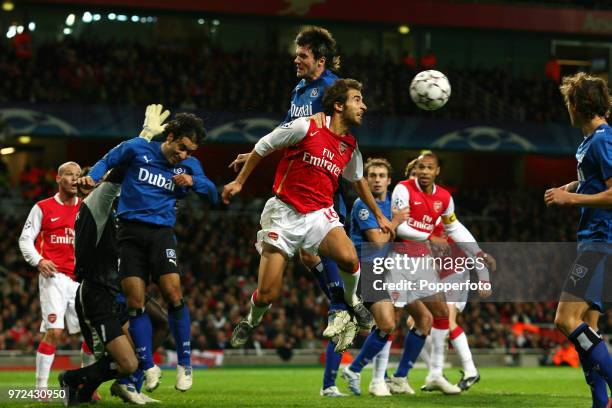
[{"x": 354, "y": 169}]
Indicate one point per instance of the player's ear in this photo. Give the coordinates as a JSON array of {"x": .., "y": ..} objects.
[
  {"x": 338, "y": 107},
  {"x": 170, "y": 138},
  {"x": 321, "y": 61}
]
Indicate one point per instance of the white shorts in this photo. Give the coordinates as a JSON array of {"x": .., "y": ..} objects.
[
  {"x": 57, "y": 295},
  {"x": 457, "y": 298},
  {"x": 424, "y": 273},
  {"x": 286, "y": 229}
]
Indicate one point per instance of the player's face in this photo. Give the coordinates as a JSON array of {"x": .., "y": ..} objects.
[
  {"x": 305, "y": 63},
  {"x": 378, "y": 180},
  {"x": 354, "y": 108},
  {"x": 67, "y": 180},
  {"x": 178, "y": 149},
  {"x": 426, "y": 170}
]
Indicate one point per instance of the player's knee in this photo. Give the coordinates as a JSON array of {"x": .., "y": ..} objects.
[
  {"x": 424, "y": 323},
  {"x": 135, "y": 302},
  {"x": 348, "y": 261},
  {"x": 564, "y": 323},
  {"x": 53, "y": 336},
  {"x": 386, "y": 326}
]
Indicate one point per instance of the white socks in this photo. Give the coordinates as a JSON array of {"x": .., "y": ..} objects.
[
  {"x": 460, "y": 343},
  {"x": 381, "y": 360},
  {"x": 44, "y": 361},
  {"x": 351, "y": 280}
]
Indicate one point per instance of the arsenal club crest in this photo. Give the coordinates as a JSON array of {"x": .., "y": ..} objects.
[
  {"x": 343, "y": 146},
  {"x": 52, "y": 317},
  {"x": 437, "y": 205}
]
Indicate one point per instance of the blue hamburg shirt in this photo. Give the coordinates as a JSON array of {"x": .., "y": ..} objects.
[
  {"x": 362, "y": 219},
  {"x": 307, "y": 96},
  {"x": 148, "y": 193},
  {"x": 306, "y": 100},
  {"x": 594, "y": 156}
]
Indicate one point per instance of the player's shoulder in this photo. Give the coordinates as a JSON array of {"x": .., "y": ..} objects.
[
  {"x": 45, "y": 202},
  {"x": 358, "y": 204},
  {"x": 329, "y": 77},
  {"x": 442, "y": 193},
  {"x": 602, "y": 135},
  {"x": 360, "y": 210},
  {"x": 299, "y": 124},
  {"x": 191, "y": 162}
]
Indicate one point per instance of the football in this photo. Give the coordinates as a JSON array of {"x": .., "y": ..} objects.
[{"x": 430, "y": 90}]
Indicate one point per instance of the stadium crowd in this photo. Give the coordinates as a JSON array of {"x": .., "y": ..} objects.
[
  {"x": 87, "y": 72},
  {"x": 219, "y": 263}
]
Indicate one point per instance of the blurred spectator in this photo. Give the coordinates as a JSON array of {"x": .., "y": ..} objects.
[
  {"x": 428, "y": 60},
  {"x": 552, "y": 69}
]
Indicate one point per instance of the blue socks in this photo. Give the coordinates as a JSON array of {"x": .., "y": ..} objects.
[
  {"x": 599, "y": 388},
  {"x": 137, "y": 378},
  {"x": 596, "y": 362},
  {"x": 142, "y": 336},
  {"x": 332, "y": 363},
  {"x": 413, "y": 344},
  {"x": 180, "y": 325},
  {"x": 371, "y": 347},
  {"x": 328, "y": 275}
]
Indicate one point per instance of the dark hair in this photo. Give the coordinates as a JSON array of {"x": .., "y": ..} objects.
[
  {"x": 588, "y": 94},
  {"x": 428, "y": 153},
  {"x": 337, "y": 93},
  {"x": 321, "y": 43},
  {"x": 186, "y": 125},
  {"x": 377, "y": 162}
]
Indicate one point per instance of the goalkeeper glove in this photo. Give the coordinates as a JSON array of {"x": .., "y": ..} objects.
[{"x": 154, "y": 121}]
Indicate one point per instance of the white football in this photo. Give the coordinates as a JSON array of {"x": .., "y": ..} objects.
[{"x": 430, "y": 90}]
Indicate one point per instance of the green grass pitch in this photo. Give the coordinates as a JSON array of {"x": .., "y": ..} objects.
[{"x": 299, "y": 387}]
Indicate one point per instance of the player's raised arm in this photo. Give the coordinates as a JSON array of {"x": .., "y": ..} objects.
[
  {"x": 119, "y": 154},
  {"x": 285, "y": 135}
]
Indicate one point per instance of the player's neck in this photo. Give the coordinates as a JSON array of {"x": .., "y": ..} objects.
[
  {"x": 338, "y": 126},
  {"x": 65, "y": 198},
  {"x": 593, "y": 124},
  {"x": 315, "y": 75}
]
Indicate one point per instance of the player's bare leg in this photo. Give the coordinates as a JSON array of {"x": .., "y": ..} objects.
[
  {"x": 180, "y": 325},
  {"x": 337, "y": 246},
  {"x": 469, "y": 374},
  {"x": 439, "y": 331},
  {"x": 269, "y": 284}
]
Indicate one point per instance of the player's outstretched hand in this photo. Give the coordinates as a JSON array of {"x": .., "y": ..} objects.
[
  {"x": 46, "y": 268},
  {"x": 485, "y": 293},
  {"x": 230, "y": 190},
  {"x": 557, "y": 196},
  {"x": 239, "y": 161},
  {"x": 319, "y": 119},
  {"x": 154, "y": 121},
  {"x": 183, "y": 180},
  {"x": 490, "y": 261},
  {"x": 86, "y": 181}
]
